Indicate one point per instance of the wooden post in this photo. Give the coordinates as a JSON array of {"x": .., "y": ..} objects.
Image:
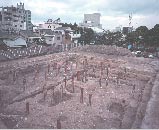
[
  {"x": 65, "y": 80},
  {"x": 44, "y": 92},
  {"x": 48, "y": 68},
  {"x": 45, "y": 76},
  {"x": 134, "y": 87},
  {"x": 100, "y": 82},
  {"x": 106, "y": 82},
  {"x": 81, "y": 98},
  {"x": 83, "y": 64},
  {"x": 24, "y": 84},
  {"x": 107, "y": 71},
  {"x": 78, "y": 75},
  {"x": 27, "y": 108},
  {"x": 85, "y": 76},
  {"x": 101, "y": 68},
  {"x": 93, "y": 70},
  {"x": 65, "y": 68},
  {"x": 36, "y": 72},
  {"x": 58, "y": 124},
  {"x": 53, "y": 95},
  {"x": 73, "y": 85},
  {"x": 58, "y": 69},
  {"x": 90, "y": 97},
  {"x": 125, "y": 69},
  {"x": 61, "y": 92},
  {"x": 14, "y": 76},
  {"x": 76, "y": 64}
]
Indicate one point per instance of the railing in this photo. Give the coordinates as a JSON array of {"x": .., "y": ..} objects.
[{"x": 15, "y": 53}]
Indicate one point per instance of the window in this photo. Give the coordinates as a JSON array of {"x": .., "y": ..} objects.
[
  {"x": 58, "y": 38},
  {"x": 29, "y": 21},
  {"x": 49, "y": 26},
  {"x": 21, "y": 21},
  {"x": 29, "y": 15},
  {"x": 20, "y": 25},
  {"x": 15, "y": 25}
]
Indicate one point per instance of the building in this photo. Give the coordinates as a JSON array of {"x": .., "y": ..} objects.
[
  {"x": 50, "y": 24},
  {"x": 29, "y": 36},
  {"x": 127, "y": 30},
  {"x": 17, "y": 42},
  {"x": 54, "y": 39},
  {"x": 14, "y": 19},
  {"x": 118, "y": 29},
  {"x": 65, "y": 31},
  {"x": 27, "y": 19},
  {"x": 91, "y": 20}
]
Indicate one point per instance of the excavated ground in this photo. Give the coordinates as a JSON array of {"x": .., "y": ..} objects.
[{"x": 119, "y": 84}]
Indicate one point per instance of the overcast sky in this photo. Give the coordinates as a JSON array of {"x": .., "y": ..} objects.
[{"x": 113, "y": 12}]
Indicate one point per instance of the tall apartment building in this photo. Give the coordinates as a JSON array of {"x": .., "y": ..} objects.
[
  {"x": 91, "y": 20},
  {"x": 15, "y": 18},
  {"x": 27, "y": 19}
]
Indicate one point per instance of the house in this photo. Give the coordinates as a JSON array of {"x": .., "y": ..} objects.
[
  {"x": 16, "y": 42},
  {"x": 3, "y": 46},
  {"x": 30, "y": 36},
  {"x": 11, "y": 40},
  {"x": 65, "y": 31},
  {"x": 54, "y": 39},
  {"x": 50, "y": 24},
  {"x": 75, "y": 37}
]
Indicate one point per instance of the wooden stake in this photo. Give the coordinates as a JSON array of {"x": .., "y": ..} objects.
[
  {"x": 101, "y": 68},
  {"x": 65, "y": 80},
  {"x": 58, "y": 69},
  {"x": 81, "y": 98},
  {"x": 106, "y": 83},
  {"x": 78, "y": 75},
  {"x": 90, "y": 97},
  {"x": 58, "y": 124},
  {"x": 125, "y": 69},
  {"x": 53, "y": 94},
  {"x": 107, "y": 71},
  {"x": 61, "y": 92},
  {"x": 44, "y": 91},
  {"x": 27, "y": 108},
  {"x": 14, "y": 76},
  {"x": 48, "y": 68},
  {"x": 73, "y": 83},
  {"x": 24, "y": 84},
  {"x": 100, "y": 82}
]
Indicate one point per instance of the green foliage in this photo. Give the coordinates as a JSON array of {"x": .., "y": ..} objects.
[
  {"x": 87, "y": 35},
  {"x": 144, "y": 36}
]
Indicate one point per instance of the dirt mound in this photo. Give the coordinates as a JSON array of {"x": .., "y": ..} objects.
[{"x": 103, "y": 49}]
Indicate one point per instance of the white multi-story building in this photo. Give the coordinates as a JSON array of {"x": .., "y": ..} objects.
[
  {"x": 50, "y": 24},
  {"x": 15, "y": 18},
  {"x": 91, "y": 20}
]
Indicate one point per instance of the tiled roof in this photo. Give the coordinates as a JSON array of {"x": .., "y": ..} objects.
[{"x": 29, "y": 33}]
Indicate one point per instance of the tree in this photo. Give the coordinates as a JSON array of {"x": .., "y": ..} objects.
[
  {"x": 87, "y": 35},
  {"x": 153, "y": 36},
  {"x": 142, "y": 31}
]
